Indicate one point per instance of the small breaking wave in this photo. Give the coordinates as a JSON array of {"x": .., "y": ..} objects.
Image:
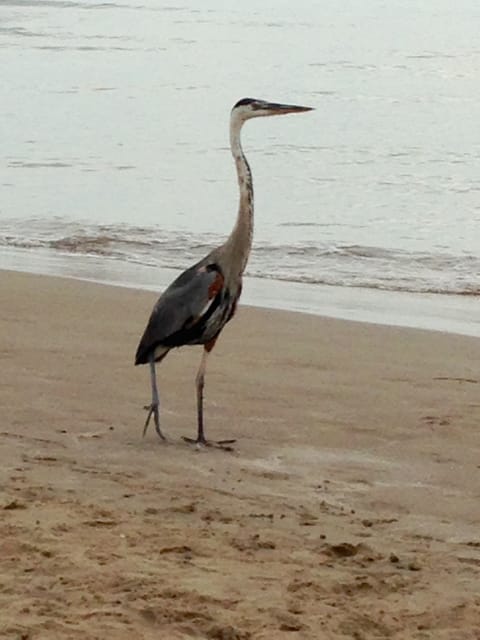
[{"x": 346, "y": 265}]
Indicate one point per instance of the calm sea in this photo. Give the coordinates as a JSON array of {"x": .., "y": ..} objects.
[{"x": 115, "y": 159}]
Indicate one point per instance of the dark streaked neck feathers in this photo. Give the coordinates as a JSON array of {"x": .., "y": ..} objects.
[{"x": 233, "y": 254}]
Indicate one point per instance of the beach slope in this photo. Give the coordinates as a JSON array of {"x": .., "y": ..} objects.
[{"x": 348, "y": 509}]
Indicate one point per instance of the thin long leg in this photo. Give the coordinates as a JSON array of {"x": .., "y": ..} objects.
[
  {"x": 153, "y": 408},
  {"x": 199, "y": 384}
]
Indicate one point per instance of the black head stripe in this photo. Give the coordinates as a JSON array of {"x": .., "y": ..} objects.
[{"x": 244, "y": 102}]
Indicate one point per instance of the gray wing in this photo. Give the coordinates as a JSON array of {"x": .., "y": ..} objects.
[{"x": 180, "y": 314}]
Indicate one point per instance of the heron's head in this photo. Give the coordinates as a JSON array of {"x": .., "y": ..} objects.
[{"x": 252, "y": 108}]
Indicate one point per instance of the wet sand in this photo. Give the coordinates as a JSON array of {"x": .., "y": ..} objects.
[{"x": 348, "y": 509}]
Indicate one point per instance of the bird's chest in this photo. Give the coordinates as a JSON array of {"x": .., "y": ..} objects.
[{"x": 222, "y": 313}]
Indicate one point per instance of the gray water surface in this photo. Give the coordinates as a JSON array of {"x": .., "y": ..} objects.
[{"x": 115, "y": 136}]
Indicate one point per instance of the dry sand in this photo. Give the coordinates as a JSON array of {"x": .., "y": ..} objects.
[{"x": 349, "y": 508}]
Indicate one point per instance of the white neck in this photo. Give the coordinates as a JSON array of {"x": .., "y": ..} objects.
[{"x": 240, "y": 240}]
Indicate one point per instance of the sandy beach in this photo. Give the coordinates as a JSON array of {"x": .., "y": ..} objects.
[{"x": 349, "y": 508}]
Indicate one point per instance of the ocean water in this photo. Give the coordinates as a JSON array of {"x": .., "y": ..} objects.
[{"x": 115, "y": 153}]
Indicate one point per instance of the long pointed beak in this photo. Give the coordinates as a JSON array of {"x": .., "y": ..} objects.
[{"x": 279, "y": 109}]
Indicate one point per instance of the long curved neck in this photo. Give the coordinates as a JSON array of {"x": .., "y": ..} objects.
[{"x": 239, "y": 242}]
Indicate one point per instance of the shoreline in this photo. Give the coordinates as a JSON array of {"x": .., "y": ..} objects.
[
  {"x": 349, "y": 505},
  {"x": 433, "y": 312}
]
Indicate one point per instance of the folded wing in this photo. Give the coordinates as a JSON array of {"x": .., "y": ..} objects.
[{"x": 188, "y": 312}]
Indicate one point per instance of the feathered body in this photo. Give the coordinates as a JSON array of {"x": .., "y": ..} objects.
[
  {"x": 196, "y": 306},
  {"x": 202, "y": 305}
]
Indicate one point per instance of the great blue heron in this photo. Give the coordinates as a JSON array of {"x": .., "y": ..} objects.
[{"x": 197, "y": 305}]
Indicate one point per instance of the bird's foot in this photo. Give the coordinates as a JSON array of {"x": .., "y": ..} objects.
[
  {"x": 225, "y": 445},
  {"x": 153, "y": 410}
]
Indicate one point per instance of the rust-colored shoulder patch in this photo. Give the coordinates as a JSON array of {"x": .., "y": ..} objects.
[{"x": 216, "y": 286}]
